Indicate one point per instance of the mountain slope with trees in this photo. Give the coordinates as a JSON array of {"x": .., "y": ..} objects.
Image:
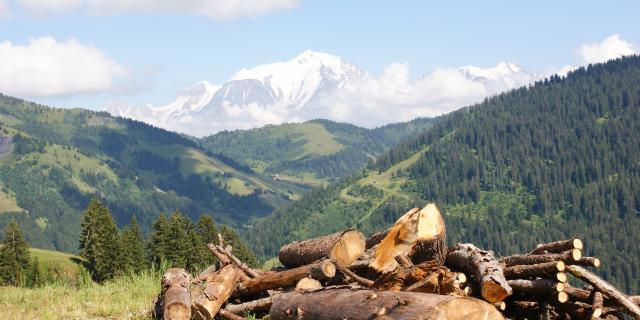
[
  {"x": 554, "y": 160},
  {"x": 53, "y": 161},
  {"x": 310, "y": 153}
]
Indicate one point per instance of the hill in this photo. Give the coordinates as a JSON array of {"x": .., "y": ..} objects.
[
  {"x": 52, "y": 161},
  {"x": 553, "y": 160},
  {"x": 310, "y": 153}
]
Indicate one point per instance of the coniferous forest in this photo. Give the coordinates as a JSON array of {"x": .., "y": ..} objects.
[{"x": 553, "y": 160}]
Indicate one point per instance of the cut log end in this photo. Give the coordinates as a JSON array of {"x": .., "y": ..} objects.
[
  {"x": 561, "y": 277},
  {"x": 576, "y": 254},
  {"x": 493, "y": 291},
  {"x": 347, "y": 250},
  {"x": 562, "y": 297}
]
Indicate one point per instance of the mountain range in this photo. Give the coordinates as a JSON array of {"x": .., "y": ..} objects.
[
  {"x": 316, "y": 85},
  {"x": 53, "y": 161}
]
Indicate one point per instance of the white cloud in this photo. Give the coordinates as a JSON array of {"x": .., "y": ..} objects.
[
  {"x": 4, "y": 10},
  {"x": 43, "y": 7},
  {"x": 215, "y": 9},
  {"x": 46, "y": 67},
  {"x": 610, "y": 48},
  {"x": 394, "y": 96}
]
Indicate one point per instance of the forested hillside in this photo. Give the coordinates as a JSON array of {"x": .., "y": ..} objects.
[
  {"x": 310, "y": 153},
  {"x": 52, "y": 161},
  {"x": 554, "y": 160}
]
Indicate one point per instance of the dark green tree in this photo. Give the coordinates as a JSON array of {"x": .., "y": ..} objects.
[
  {"x": 158, "y": 243},
  {"x": 133, "y": 248},
  {"x": 34, "y": 275},
  {"x": 178, "y": 242},
  {"x": 208, "y": 234},
  {"x": 99, "y": 242},
  {"x": 14, "y": 256}
]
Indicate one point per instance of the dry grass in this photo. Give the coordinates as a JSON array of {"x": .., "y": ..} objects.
[{"x": 128, "y": 297}]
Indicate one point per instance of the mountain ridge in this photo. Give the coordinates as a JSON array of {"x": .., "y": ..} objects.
[{"x": 298, "y": 90}]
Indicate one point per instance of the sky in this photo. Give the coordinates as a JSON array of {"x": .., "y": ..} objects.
[{"x": 93, "y": 53}]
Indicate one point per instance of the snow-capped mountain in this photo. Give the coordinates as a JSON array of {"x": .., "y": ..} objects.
[{"x": 319, "y": 85}]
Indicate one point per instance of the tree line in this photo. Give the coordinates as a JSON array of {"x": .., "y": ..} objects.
[{"x": 107, "y": 252}]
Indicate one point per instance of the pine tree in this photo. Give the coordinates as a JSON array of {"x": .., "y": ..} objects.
[
  {"x": 99, "y": 242},
  {"x": 159, "y": 243},
  {"x": 178, "y": 242},
  {"x": 240, "y": 249},
  {"x": 34, "y": 276},
  {"x": 133, "y": 248},
  {"x": 208, "y": 234},
  {"x": 14, "y": 256}
]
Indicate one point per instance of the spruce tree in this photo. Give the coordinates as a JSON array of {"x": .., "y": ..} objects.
[
  {"x": 178, "y": 242},
  {"x": 99, "y": 242},
  {"x": 159, "y": 243},
  {"x": 240, "y": 249},
  {"x": 208, "y": 234},
  {"x": 132, "y": 244},
  {"x": 14, "y": 256},
  {"x": 34, "y": 275}
]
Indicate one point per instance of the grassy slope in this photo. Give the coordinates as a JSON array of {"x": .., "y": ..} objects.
[
  {"x": 289, "y": 150},
  {"x": 84, "y": 153},
  {"x": 122, "y": 298}
]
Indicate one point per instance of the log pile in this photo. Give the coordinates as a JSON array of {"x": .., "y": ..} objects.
[{"x": 404, "y": 272}]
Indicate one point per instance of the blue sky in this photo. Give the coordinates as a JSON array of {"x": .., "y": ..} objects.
[{"x": 164, "y": 52}]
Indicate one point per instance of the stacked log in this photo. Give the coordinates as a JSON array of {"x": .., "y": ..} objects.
[{"x": 404, "y": 272}]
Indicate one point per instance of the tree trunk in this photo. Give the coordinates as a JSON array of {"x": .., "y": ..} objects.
[
  {"x": 486, "y": 269},
  {"x": 558, "y": 246},
  {"x": 377, "y": 237},
  {"x": 432, "y": 237},
  {"x": 255, "y": 306},
  {"x": 361, "y": 304},
  {"x": 536, "y": 286},
  {"x": 343, "y": 247},
  {"x": 245, "y": 268},
  {"x": 419, "y": 234},
  {"x": 319, "y": 270},
  {"x": 607, "y": 289},
  {"x": 570, "y": 256},
  {"x": 216, "y": 292},
  {"x": 176, "y": 302},
  {"x": 543, "y": 270}
]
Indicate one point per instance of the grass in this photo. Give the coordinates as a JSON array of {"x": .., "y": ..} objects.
[
  {"x": 61, "y": 265},
  {"x": 129, "y": 297},
  {"x": 8, "y": 203}
]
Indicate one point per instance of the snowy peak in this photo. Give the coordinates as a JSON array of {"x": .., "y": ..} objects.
[{"x": 501, "y": 70}]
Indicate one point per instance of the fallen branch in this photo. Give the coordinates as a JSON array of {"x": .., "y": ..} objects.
[
  {"x": 248, "y": 270},
  {"x": 606, "y": 288},
  {"x": 558, "y": 246},
  {"x": 571, "y": 256},
  {"x": 320, "y": 270}
]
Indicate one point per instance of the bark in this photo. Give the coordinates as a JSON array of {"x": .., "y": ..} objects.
[
  {"x": 486, "y": 269},
  {"x": 320, "y": 270},
  {"x": 570, "y": 256},
  {"x": 342, "y": 247},
  {"x": 216, "y": 292},
  {"x": 176, "y": 302},
  {"x": 432, "y": 238},
  {"x": 419, "y": 234},
  {"x": 536, "y": 286},
  {"x": 596, "y": 304},
  {"x": 252, "y": 307},
  {"x": 558, "y": 246},
  {"x": 542, "y": 270},
  {"x": 245, "y": 268},
  {"x": 228, "y": 315},
  {"x": 607, "y": 289},
  {"x": 360, "y": 304},
  {"x": 404, "y": 261},
  {"x": 205, "y": 274},
  {"x": 360, "y": 280},
  {"x": 588, "y": 262}
]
